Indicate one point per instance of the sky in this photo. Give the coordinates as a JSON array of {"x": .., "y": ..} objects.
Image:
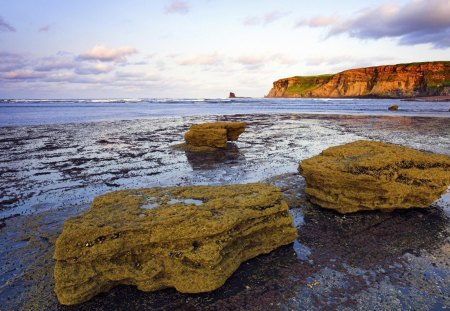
[{"x": 204, "y": 48}]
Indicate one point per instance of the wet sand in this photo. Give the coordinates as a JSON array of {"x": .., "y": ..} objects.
[{"x": 396, "y": 260}]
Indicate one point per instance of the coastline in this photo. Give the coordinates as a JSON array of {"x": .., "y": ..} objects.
[
  {"x": 69, "y": 164},
  {"x": 428, "y": 99},
  {"x": 417, "y": 98}
]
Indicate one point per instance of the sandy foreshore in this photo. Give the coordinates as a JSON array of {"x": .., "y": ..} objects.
[{"x": 383, "y": 260}]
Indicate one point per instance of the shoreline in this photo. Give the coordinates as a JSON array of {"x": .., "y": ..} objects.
[
  {"x": 428, "y": 99},
  {"x": 394, "y": 114},
  {"x": 68, "y": 165},
  {"x": 416, "y": 98}
]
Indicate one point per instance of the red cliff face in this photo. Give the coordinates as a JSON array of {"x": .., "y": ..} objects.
[{"x": 404, "y": 80}]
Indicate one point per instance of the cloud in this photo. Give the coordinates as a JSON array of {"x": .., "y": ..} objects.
[
  {"x": 54, "y": 64},
  {"x": 4, "y": 26},
  {"x": 272, "y": 16},
  {"x": 22, "y": 75},
  {"x": 343, "y": 62},
  {"x": 11, "y": 61},
  {"x": 204, "y": 59},
  {"x": 265, "y": 19},
  {"x": 415, "y": 22},
  {"x": 318, "y": 21},
  {"x": 252, "y": 20},
  {"x": 45, "y": 28},
  {"x": 93, "y": 70},
  {"x": 257, "y": 61},
  {"x": 178, "y": 6},
  {"x": 105, "y": 54}
]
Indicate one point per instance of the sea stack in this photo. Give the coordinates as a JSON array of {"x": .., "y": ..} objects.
[
  {"x": 232, "y": 95},
  {"x": 188, "y": 238},
  {"x": 370, "y": 175}
]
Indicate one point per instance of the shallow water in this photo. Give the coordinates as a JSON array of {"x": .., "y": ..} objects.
[
  {"x": 389, "y": 261},
  {"x": 28, "y": 112}
]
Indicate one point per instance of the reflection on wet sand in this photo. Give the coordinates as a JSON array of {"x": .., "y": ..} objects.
[
  {"x": 386, "y": 261},
  {"x": 211, "y": 159}
]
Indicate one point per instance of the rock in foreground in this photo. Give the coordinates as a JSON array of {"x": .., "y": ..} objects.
[
  {"x": 215, "y": 134},
  {"x": 189, "y": 238},
  {"x": 370, "y": 175}
]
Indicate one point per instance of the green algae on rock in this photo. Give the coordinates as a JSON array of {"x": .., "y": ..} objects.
[
  {"x": 189, "y": 238},
  {"x": 214, "y": 134},
  {"x": 371, "y": 175}
]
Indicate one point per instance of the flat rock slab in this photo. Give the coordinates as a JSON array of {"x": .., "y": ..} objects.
[
  {"x": 214, "y": 135},
  {"x": 189, "y": 238},
  {"x": 371, "y": 175}
]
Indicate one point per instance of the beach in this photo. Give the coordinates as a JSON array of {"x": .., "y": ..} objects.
[{"x": 389, "y": 260}]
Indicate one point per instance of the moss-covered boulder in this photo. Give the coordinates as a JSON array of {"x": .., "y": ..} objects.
[
  {"x": 215, "y": 134},
  {"x": 189, "y": 238},
  {"x": 371, "y": 175}
]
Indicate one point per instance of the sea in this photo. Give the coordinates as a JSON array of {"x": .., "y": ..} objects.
[{"x": 16, "y": 112}]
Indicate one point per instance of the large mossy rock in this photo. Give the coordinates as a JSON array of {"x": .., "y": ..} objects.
[
  {"x": 215, "y": 134},
  {"x": 371, "y": 175},
  {"x": 189, "y": 238}
]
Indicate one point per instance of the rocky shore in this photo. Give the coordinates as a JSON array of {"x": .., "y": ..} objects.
[{"x": 384, "y": 260}]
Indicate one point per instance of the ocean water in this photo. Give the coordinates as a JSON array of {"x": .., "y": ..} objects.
[{"x": 39, "y": 112}]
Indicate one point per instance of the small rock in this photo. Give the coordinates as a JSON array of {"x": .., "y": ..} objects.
[
  {"x": 232, "y": 95},
  {"x": 393, "y": 108}
]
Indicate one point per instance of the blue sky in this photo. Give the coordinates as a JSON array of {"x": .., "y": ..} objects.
[{"x": 204, "y": 48}]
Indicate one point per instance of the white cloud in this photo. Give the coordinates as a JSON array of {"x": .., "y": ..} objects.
[
  {"x": 178, "y": 6},
  {"x": 264, "y": 19},
  {"x": 105, "y": 54}
]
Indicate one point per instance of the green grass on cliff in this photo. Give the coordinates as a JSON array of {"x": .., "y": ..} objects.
[{"x": 304, "y": 84}]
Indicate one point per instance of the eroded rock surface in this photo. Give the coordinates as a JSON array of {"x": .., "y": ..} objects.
[
  {"x": 215, "y": 134},
  {"x": 370, "y": 175},
  {"x": 189, "y": 238}
]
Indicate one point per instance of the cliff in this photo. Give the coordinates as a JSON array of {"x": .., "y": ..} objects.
[{"x": 402, "y": 80}]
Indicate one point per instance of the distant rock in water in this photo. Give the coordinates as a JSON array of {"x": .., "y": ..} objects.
[
  {"x": 395, "y": 81},
  {"x": 232, "y": 95},
  {"x": 215, "y": 134},
  {"x": 188, "y": 238},
  {"x": 393, "y": 108},
  {"x": 371, "y": 175}
]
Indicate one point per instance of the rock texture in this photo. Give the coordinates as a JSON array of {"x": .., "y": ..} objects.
[
  {"x": 393, "y": 108},
  {"x": 371, "y": 175},
  {"x": 403, "y": 80},
  {"x": 189, "y": 238},
  {"x": 215, "y": 134}
]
